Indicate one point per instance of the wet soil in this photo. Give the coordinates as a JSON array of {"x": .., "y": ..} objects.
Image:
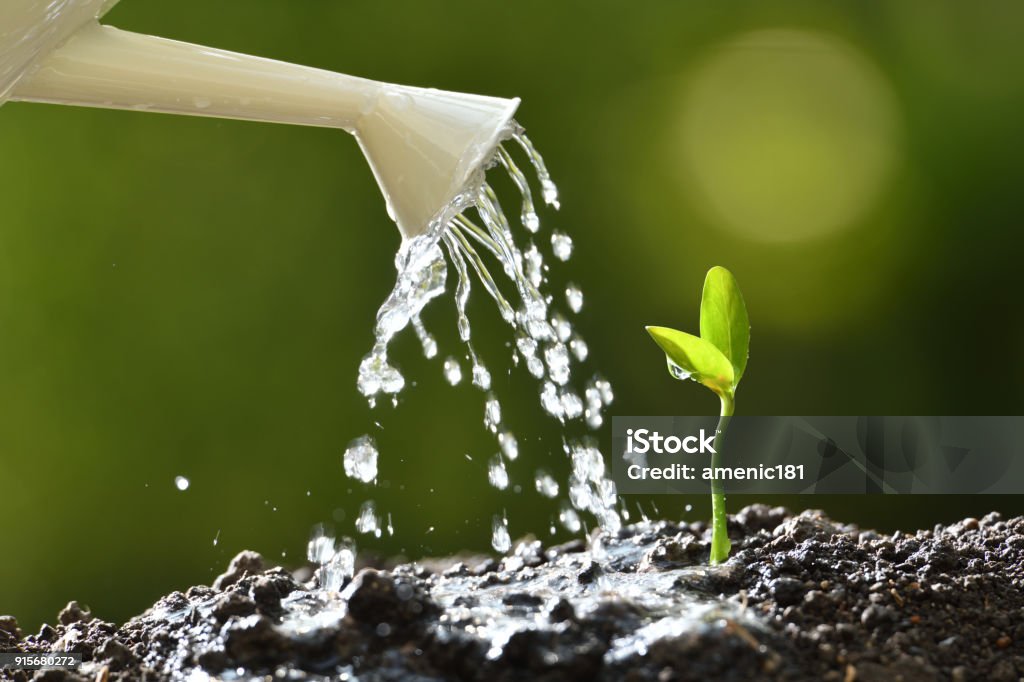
[{"x": 802, "y": 598}]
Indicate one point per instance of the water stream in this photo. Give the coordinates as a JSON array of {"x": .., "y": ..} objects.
[{"x": 475, "y": 238}]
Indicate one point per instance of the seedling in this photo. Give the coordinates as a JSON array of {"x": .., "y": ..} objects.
[{"x": 717, "y": 359}]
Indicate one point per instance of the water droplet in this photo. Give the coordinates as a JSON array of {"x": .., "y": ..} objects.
[
  {"x": 545, "y": 484},
  {"x": 216, "y": 538},
  {"x": 530, "y": 221},
  {"x": 426, "y": 340},
  {"x": 377, "y": 376},
  {"x": 579, "y": 348},
  {"x": 602, "y": 385},
  {"x": 368, "y": 521},
  {"x": 500, "y": 540},
  {"x": 550, "y": 401},
  {"x": 569, "y": 519},
  {"x": 550, "y": 193},
  {"x": 361, "y": 459},
  {"x": 557, "y": 359},
  {"x": 492, "y": 413},
  {"x": 574, "y": 297},
  {"x": 481, "y": 377},
  {"x": 497, "y": 474},
  {"x": 562, "y": 327},
  {"x": 561, "y": 245},
  {"x": 677, "y": 371},
  {"x": 181, "y": 483},
  {"x": 452, "y": 371},
  {"x": 572, "y": 406},
  {"x": 533, "y": 263},
  {"x": 201, "y": 102},
  {"x": 509, "y": 445}
]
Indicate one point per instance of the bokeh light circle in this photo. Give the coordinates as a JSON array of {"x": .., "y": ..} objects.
[{"x": 787, "y": 135}]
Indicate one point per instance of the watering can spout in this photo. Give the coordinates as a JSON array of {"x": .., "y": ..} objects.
[{"x": 423, "y": 145}]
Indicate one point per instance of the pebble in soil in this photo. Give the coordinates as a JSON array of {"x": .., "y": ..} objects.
[{"x": 802, "y": 598}]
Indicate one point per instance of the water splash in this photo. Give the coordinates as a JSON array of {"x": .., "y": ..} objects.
[{"x": 337, "y": 561}]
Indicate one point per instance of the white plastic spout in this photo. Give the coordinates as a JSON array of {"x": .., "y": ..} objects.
[
  {"x": 423, "y": 145},
  {"x": 101, "y": 66}
]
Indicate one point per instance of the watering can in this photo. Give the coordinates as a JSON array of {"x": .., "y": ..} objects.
[{"x": 423, "y": 145}]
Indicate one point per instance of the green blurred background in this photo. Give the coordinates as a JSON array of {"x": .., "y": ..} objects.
[{"x": 182, "y": 296}]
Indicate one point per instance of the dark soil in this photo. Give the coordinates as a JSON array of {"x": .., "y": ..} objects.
[{"x": 802, "y": 598}]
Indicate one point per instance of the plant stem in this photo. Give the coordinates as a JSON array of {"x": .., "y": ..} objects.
[{"x": 720, "y": 544}]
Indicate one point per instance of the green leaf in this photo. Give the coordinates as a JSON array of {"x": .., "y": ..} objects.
[
  {"x": 698, "y": 357},
  {"x": 723, "y": 318}
]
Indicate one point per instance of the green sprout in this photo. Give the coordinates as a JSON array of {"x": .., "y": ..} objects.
[{"x": 717, "y": 358}]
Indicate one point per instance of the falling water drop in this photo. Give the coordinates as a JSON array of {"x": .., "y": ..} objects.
[
  {"x": 497, "y": 474},
  {"x": 500, "y": 540},
  {"x": 579, "y": 348},
  {"x": 452, "y": 371},
  {"x": 509, "y": 445},
  {"x": 492, "y": 413},
  {"x": 481, "y": 377},
  {"x": 574, "y": 297},
  {"x": 426, "y": 340},
  {"x": 360, "y": 459},
  {"x": 569, "y": 519},
  {"x": 557, "y": 359},
  {"x": 545, "y": 484},
  {"x": 562, "y": 327},
  {"x": 561, "y": 245},
  {"x": 368, "y": 521}
]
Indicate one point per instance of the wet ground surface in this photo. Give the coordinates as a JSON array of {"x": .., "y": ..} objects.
[{"x": 802, "y": 598}]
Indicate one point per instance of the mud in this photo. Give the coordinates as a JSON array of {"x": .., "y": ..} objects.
[{"x": 802, "y": 598}]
